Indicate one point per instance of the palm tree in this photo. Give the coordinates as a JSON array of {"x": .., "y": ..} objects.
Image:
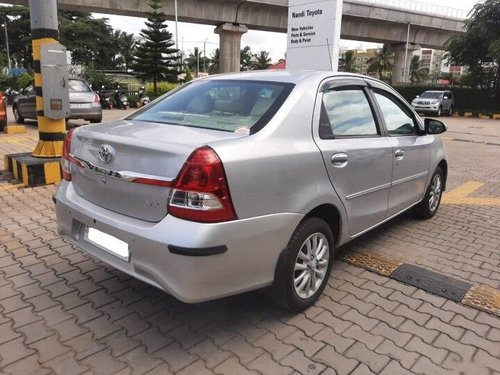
[
  {"x": 196, "y": 62},
  {"x": 127, "y": 46},
  {"x": 214, "y": 62},
  {"x": 348, "y": 61},
  {"x": 262, "y": 61},
  {"x": 417, "y": 74},
  {"x": 246, "y": 58},
  {"x": 382, "y": 62}
]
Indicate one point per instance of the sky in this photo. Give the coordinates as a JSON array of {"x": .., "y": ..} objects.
[{"x": 193, "y": 35}]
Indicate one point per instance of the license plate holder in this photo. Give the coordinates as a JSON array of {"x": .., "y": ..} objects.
[{"x": 107, "y": 242}]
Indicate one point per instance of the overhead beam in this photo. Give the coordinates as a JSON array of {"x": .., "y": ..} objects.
[{"x": 361, "y": 21}]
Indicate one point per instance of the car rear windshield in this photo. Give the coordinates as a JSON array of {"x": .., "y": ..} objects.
[
  {"x": 76, "y": 85},
  {"x": 227, "y": 105},
  {"x": 431, "y": 95}
]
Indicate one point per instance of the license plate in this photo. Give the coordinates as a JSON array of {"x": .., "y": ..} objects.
[
  {"x": 107, "y": 243},
  {"x": 79, "y": 105}
]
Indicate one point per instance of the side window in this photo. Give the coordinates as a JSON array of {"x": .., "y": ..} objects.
[
  {"x": 346, "y": 113},
  {"x": 398, "y": 119}
]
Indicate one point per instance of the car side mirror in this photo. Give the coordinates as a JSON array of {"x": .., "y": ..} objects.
[
  {"x": 433, "y": 126},
  {"x": 445, "y": 97}
]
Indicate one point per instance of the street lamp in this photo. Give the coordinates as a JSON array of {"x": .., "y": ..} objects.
[{"x": 4, "y": 25}]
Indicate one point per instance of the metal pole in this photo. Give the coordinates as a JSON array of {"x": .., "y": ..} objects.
[
  {"x": 405, "y": 73},
  {"x": 44, "y": 29},
  {"x": 205, "y": 56},
  {"x": 176, "y": 29},
  {"x": 7, "y": 45}
]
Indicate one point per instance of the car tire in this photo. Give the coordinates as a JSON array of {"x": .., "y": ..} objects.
[
  {"x": 310, "y": 251},
  {"x": 3, "y": 124},
  {"x": 429, "y": 205},
  {"x": 17, "y": 115},
  {"x": 95, "y": 120},
  {"x": 439, "y": 111},
  {"x": 450, "y": 112}
]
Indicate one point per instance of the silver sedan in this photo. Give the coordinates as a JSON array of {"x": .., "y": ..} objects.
[{"x": 248, "y": 181}]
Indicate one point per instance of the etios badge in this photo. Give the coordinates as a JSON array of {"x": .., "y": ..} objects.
[{"x": 106, "y": 153}]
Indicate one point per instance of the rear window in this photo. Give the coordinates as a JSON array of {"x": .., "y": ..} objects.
[
  {"x": 75, "y": 85},
  {"x": 227, "y": 105}
]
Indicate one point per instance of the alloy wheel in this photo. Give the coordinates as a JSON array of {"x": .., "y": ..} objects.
[
  {"x": 311, "y": 265},
  {"x": 435, "y": 192}
]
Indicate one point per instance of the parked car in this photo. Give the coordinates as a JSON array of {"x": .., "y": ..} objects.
[
  {"x": 84, "y": 102},
  {"x": 435, "y": 102},
  {"x": 248, "y": 181}
]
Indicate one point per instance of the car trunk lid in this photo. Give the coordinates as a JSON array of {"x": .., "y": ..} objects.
[{"x": 149, "y": 154}]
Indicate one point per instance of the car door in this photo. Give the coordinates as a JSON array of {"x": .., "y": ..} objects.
[
  {"x": 447, "y": 100},
  {"x": 27, "y": 103},
  {"x": 357, "y": 155},
  {"x": 411, "y": 151}
]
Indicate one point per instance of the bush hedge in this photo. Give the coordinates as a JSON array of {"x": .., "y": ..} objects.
[{"x": 466, "y": 99}]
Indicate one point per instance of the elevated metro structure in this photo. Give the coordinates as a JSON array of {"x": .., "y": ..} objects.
[{"x": 361, "y": 20}]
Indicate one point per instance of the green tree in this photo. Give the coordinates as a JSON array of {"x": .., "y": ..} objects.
[
  {"x": 91, "y": 41},
  {"x": 155, "y": 57},
  {"x": 17, "y": 19},
  {"x": 246, "y": 59},
  {"x": 348, "y": 62},
  {"x": 382, "y": 62},
  {"x": 479, "y": 47},
  {"x": 196, "y": 62},
  {"x": 214, "y": 62},
  {"x": 262, "y": 61},
  {"x": 127, "y": 46},
  {"x": 417, "y": 73}
]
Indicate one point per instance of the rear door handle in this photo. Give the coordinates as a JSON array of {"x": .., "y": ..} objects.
[
  {"x": 399, "y": 154},
  {"x": 339, "y": 160}
]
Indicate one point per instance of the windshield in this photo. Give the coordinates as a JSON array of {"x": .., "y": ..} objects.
[
  {"x": 431, "y": 95},
  {"x": 227, "y": 105},
  {"x": 75, "y": 85}
]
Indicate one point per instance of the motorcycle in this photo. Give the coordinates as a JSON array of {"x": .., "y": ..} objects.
[
  {"x": 121, "y": 99},
  {"x": 143, "y": 98},
  {"x": 104, "y": 99}
]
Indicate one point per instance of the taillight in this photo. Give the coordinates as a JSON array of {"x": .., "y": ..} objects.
[
  {"x": 200, "y": 192},
  {"x": 96, "y": 98},
  {"x": 67, "y": 158}
]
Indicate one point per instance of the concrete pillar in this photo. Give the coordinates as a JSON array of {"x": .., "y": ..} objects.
[
  {"x": 230, "y": 46},
  {"x": 398, "y": 69}
]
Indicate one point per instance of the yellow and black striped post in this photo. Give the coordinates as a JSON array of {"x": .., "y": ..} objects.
[{"x": 44, "y": 29}]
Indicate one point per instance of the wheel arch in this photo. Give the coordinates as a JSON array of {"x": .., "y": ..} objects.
[
  {"x": 443, "y": 164},
  {"x": 331, "y": 215}
]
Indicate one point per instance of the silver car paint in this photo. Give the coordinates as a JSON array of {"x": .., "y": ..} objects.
[
  {"x": 253, "y": 245},
  {"x": 275, "y": 177}
]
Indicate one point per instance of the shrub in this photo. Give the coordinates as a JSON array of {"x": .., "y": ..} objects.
[
  {"x": 161, "y": 87},
  {"x": 24, "y": 80}
]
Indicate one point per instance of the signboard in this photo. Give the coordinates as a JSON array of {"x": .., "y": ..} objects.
[{"x": 313, "y": 34}]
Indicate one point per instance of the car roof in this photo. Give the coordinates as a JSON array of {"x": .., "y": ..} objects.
[{"x": 285, "y": 76}]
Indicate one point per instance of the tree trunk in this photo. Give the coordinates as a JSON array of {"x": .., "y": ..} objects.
[{"x": 154, "y": 86}]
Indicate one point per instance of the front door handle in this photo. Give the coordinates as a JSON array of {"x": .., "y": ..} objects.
[
  {"x": 339, "y": 160},
  {"x": 399, "y": 154}
]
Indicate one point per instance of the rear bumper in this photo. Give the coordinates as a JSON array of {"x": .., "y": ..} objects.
[
  {"x": 92, "y": 113},
  {"x": 238, "y": 256}
]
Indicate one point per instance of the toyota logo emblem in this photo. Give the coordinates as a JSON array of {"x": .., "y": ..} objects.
[{"x": 105, "y": 153}]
